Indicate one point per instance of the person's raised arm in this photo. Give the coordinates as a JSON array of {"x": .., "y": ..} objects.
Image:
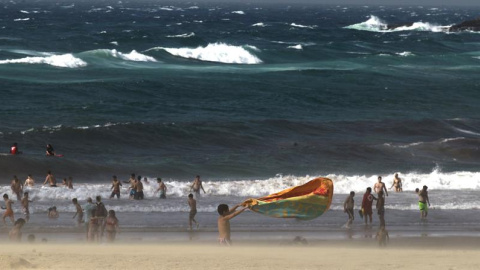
[{"x": 234, "y": 214}]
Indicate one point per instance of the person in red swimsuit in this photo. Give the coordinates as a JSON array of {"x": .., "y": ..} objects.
[
  {"x": 14, "y": 149},
  {"x": 367, "y": 205}
]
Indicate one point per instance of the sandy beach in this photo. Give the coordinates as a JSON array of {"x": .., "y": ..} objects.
[{"x": 405, "y": 253}]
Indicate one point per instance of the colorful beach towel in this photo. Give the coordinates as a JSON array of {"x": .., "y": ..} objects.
[{"x": 304, "y": 202}]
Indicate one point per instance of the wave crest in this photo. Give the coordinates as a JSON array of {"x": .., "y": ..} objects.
[
  {"x": 215, "y": 52},
  {"x": 64, "y": 60},
  {"x": 375, "y": 24}
]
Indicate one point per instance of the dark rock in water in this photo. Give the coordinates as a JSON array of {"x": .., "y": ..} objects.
[
  {"x": 397, "y": 25},
  {"x": 472, "y": 25}
]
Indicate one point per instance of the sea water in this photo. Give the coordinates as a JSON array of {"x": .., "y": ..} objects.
[{"x": 255, "y": 98}]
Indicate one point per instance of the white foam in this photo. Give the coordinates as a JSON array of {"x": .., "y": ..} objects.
[
  {"x": 21, "y": 19},
  {"x": 132, "y": 56},
  {"x": 405, "y": 54},
  {"x": 260, "y": 24},
  {"x": 296, "y": 47},
  {"x": 186, "y": 35},
  {"x": 240, "y": 12},
  {"x": 24, "y": 11},
  {"x": 375, "y": 24},
  {"x": 215, "y": 52},
  {"x": 303, "y": 26},
  {"x": 64, "y": 60},
  {"x": 114, "y": 43}
]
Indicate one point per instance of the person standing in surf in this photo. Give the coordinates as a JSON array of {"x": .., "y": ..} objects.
[
  {"x": 116, "y": 187},
  {"x": 423, "y": 200},
  {"x": 29, "y": 182},
  {"x": 17, "y": 187},
  {"x": 380, "y": 186},
  {"x": 367, "y": 205},
  {"x": 381, "y": 208},
  {"x": 348, "y": 208},
  {"x": 397, "y": 183},
  {"x": 193, "y": 211},
  {"x": 50, "y": 151},
  {"x": 162, "y": 188},
  {"x": 132, "y": 181},
  {"x": 139, "y": 189},
  {"x": 197, "y": 185},
  {"x": 14, "y": 149},
  {"x": 50, "y": 179}
]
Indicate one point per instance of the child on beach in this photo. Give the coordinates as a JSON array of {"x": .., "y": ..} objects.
[
  {"x": 382, "y": 236},
  {"x": 348, "y": 208},
  {"x": 52, "y": 212},
  {"x": 116, "y": 187},
  {"x": 111, "y": 226},
  {"x": 193, "y": 211},
  {"x": 8, "y": 209},
  {"x": 25, "y": 204},
  {"x": 161, "y": 188},
  {"x": 79, "y": 211},
  {"x": 223, "y": 222},
  {"x": 15, "y": 233}
]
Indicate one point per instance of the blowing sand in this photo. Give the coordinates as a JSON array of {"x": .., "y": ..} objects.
[{"x": 415, "y": 253}]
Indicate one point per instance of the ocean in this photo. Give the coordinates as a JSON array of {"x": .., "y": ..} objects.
[{"x": 253, "y": 97}]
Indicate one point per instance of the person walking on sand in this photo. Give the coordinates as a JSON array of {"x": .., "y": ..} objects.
[
  {"x": 78, "y": 212},
  {"x": 193, "y": 211},
  {"x": 116, "y": 187},
  {"x": 25, "y": 205},
  {"x": 348, "y": 208},
  {"x": 397, "y": 183},
  {"x": 423, "y": 200},
  {"x": 8, "y": 210},
  {"x": 50, "y": 179},
  {"x": 29, "y": 182},
  {"x": 223, "y": 222},
  {"x": 162, "y": 189},
  {"x": 367, "y": 205},
  {"x": 15, "y": 234},
  {"x": 17, "y": 188},
  {"x": 381, "y": 208},
  {"x": 197, "y": 185},
  {"x": 380, "y": 186}
]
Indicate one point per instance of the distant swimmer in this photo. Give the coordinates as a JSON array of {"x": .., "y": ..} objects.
[
  {"x": 50, "y": 179},
  {"x": 380, "y": 186},
  {"x": 14, "y": 149},
  {"x": 70, "y": 183},
  {"x": 8, "y": 209},
  {"x": 348, "y": 205},
  {"x": 17, "y": 188},
  {"x": 52, "y": 212},
  {"x": 115, "y": 187},
  {"x": 50, "y": 151},
  {"x": 162, "y": 188},
  {"x": 423, "y": 200},
  {"x": 29, "y": 182},
  {"x": 197, "y": 185},
  {"x": 397, "y": 183}
]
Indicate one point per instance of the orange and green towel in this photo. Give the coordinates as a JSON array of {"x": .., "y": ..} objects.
[{"x": 305, "y": 202}]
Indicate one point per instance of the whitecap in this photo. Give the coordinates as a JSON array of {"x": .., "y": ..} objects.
[
  {"x": 405, "y": 54},
  {"x": 296, "y": 47},
  {"x": 21, "y": 19},
  {"x": 240, "y": 12},
  {"x": 132, "y": 56},
  {"x": 260, "y": 24},
  {"x": 186, "y": 35},
  {"x": 215, "y": 52},
  {"x": 303, "y": 26},
  {"x": 64, "y": 60}
]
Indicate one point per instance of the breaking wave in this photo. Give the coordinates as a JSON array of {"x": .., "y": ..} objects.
[
  {"x": 64, "y": 60},
  {"x": 375, "y": 24}
]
